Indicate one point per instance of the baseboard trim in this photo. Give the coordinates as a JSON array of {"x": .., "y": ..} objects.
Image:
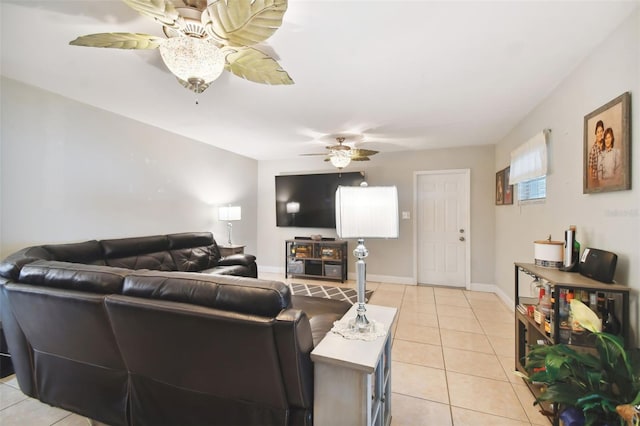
[{"x": 492, "y": 288}]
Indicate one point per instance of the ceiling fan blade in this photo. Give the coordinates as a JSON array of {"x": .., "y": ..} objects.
[
  {"x": 162, "y": 11},
  {"x": 364, "y": 152},
  {"x": 310, "y": 155},
  {"x": 253, "y": 65},
  {"x": 243, "y": 23},
  {"x": 358, "y": 158},
  {"x": 118, "y": 41}
]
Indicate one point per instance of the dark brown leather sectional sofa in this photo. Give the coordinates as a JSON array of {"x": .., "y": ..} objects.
[{"x": 126, "y": 334}]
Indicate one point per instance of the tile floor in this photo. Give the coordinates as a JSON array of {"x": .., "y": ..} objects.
[{"x": 452, "y": 354}]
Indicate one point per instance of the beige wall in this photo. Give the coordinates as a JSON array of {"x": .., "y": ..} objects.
[
  {"x": 71, "y": 172},
  {"x": 389, "y": 260},
  {"x": 608, "y": 221}
]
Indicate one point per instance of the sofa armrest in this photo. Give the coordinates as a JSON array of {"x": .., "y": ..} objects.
[{"x": 237, "y": 259}]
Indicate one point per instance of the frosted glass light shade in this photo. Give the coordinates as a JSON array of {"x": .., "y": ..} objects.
[
  {"x": 340, "y": 158},
  {"x": 191, "y": 59},
  {"x": 367, "y": 212},
  {"x": 230, "y": 213}
]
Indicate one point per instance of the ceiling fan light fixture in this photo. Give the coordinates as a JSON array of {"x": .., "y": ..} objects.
[
  {"x": 340, "y": 158},
  {"x": 195, "y": 60}
]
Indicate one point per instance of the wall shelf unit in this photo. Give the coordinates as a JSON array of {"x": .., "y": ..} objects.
[
  {"x": 316, "y": 259},
  {"x": 529, "y": 332}
]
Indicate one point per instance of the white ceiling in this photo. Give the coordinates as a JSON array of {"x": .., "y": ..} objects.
[{"x": 408, "y": 74}]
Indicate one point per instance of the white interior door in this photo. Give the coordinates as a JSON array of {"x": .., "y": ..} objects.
[{"x": 442, "y": 227}]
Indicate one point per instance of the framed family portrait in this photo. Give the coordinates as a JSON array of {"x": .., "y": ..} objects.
[
  {"x": 504, "y": 191},
  {"x": 607, "y": 154}
]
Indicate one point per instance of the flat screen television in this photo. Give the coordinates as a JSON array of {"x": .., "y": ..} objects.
[{"x": 308, "y": 201}]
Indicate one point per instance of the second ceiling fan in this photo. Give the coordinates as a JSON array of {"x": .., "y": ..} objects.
[{"x": 341, "y": 155}]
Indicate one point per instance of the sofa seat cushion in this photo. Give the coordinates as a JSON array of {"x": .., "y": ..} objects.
[
  {"x": 237, "y": 259},
  {"x": 236, "y": 270},
  {"x": 74, "y": 276},
  {"x": 237, "y": 294}
]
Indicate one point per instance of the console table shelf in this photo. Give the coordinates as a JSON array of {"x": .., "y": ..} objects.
[
  {"x": 316, "y": 259},
  {"x": 529, "y": 332}
]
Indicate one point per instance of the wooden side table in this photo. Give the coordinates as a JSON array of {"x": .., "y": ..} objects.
[
  {"x": 352, "y": 384},
  {"x": 232, "y": 249}
]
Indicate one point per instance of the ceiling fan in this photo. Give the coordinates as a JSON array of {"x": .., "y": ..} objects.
[
  {"x": 341, "y": 155},
  {"x": 204, "y": 39}
]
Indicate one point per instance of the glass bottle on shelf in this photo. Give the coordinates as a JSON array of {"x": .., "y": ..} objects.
[
  {"x": 545, "y": 308},
  {"x": 611, "y": 323},
  {"x": 563, "y": 312}
]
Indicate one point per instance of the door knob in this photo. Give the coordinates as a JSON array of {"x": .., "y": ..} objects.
[
  {"x": 461, "y": 231},
  {"x": 461, "y": 238}
]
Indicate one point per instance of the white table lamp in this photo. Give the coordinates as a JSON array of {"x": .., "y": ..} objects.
[
  {"x": 229, "y": 213},
  {"x": 365, "y": 212}
]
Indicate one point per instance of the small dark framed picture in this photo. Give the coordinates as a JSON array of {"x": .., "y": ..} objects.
[
  {"x": 500, "y": 188},
  {"x": 508, "y": 189},
  {"x": 607, "y": 150}
]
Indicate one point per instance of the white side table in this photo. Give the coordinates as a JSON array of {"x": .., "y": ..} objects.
[
  {"x": 226, "y": 250},
  {"x": 352, "y": 384}
]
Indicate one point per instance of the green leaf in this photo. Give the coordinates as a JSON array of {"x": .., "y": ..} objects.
[
  {"x": 243, "y": 23},
  {"x": 253, "y": 65},
  {"x": 118, "y": 41}
]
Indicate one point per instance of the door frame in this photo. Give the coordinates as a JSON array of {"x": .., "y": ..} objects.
[{"x": 467, "y": 225}]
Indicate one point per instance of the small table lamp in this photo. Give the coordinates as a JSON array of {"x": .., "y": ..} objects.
[
  {"x": 229, "y": 213},
  {"x": 365, "y": 212}
]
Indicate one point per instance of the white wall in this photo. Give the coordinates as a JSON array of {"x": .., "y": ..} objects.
[
  {"x": 389, "y": 260},
  {"x": 71, "y": 172},
  {"x": 608, "y": 221}
]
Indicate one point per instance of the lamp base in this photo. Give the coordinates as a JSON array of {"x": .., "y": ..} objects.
[{"x": 360, "y": 324}]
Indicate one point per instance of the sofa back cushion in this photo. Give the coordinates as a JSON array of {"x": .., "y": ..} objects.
[
  {"x": 74, "y": 276},
  {"x": 88, "y": 252},
  {"x": 10, "y": 266},
  {"x": 76, "y": 361},
  {"x": 236, "y": 294},
  {"x": 193, "y": 251},
  {"x": 197, "y": 365},
  {"x": 139, "y": 253}
]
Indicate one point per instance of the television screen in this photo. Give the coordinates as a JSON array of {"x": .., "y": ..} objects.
[{"x": 308, "y": 201}]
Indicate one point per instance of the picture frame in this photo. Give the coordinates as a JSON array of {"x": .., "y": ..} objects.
[
  {"x": 500, "y": 188},
  {"x": 504, "y": 191},
  {"x": 508, "y": 189},
  {"x": 606, "y": 147}
]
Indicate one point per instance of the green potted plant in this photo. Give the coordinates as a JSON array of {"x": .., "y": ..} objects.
[{"x": 604, "y": 386}]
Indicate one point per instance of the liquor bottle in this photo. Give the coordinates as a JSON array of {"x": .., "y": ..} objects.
[
  {"x": 602, "y": 305},
  {"x": 593, "y": 303},
  {"x": 611, "y": 323}
]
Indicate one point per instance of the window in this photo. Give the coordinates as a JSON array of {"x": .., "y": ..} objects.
[
  {"x": 529, "y": 168},
  {"x": 534, "y": 189}
]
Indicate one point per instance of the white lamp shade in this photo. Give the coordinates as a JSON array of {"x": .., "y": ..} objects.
[
  {"x": 230, "y": 213},
  {"x": 367, "y": 212},
  {"x": 293, "y": 207}
]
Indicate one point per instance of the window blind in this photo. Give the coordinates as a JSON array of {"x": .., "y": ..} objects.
[{"x": 529, "y": 160}]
